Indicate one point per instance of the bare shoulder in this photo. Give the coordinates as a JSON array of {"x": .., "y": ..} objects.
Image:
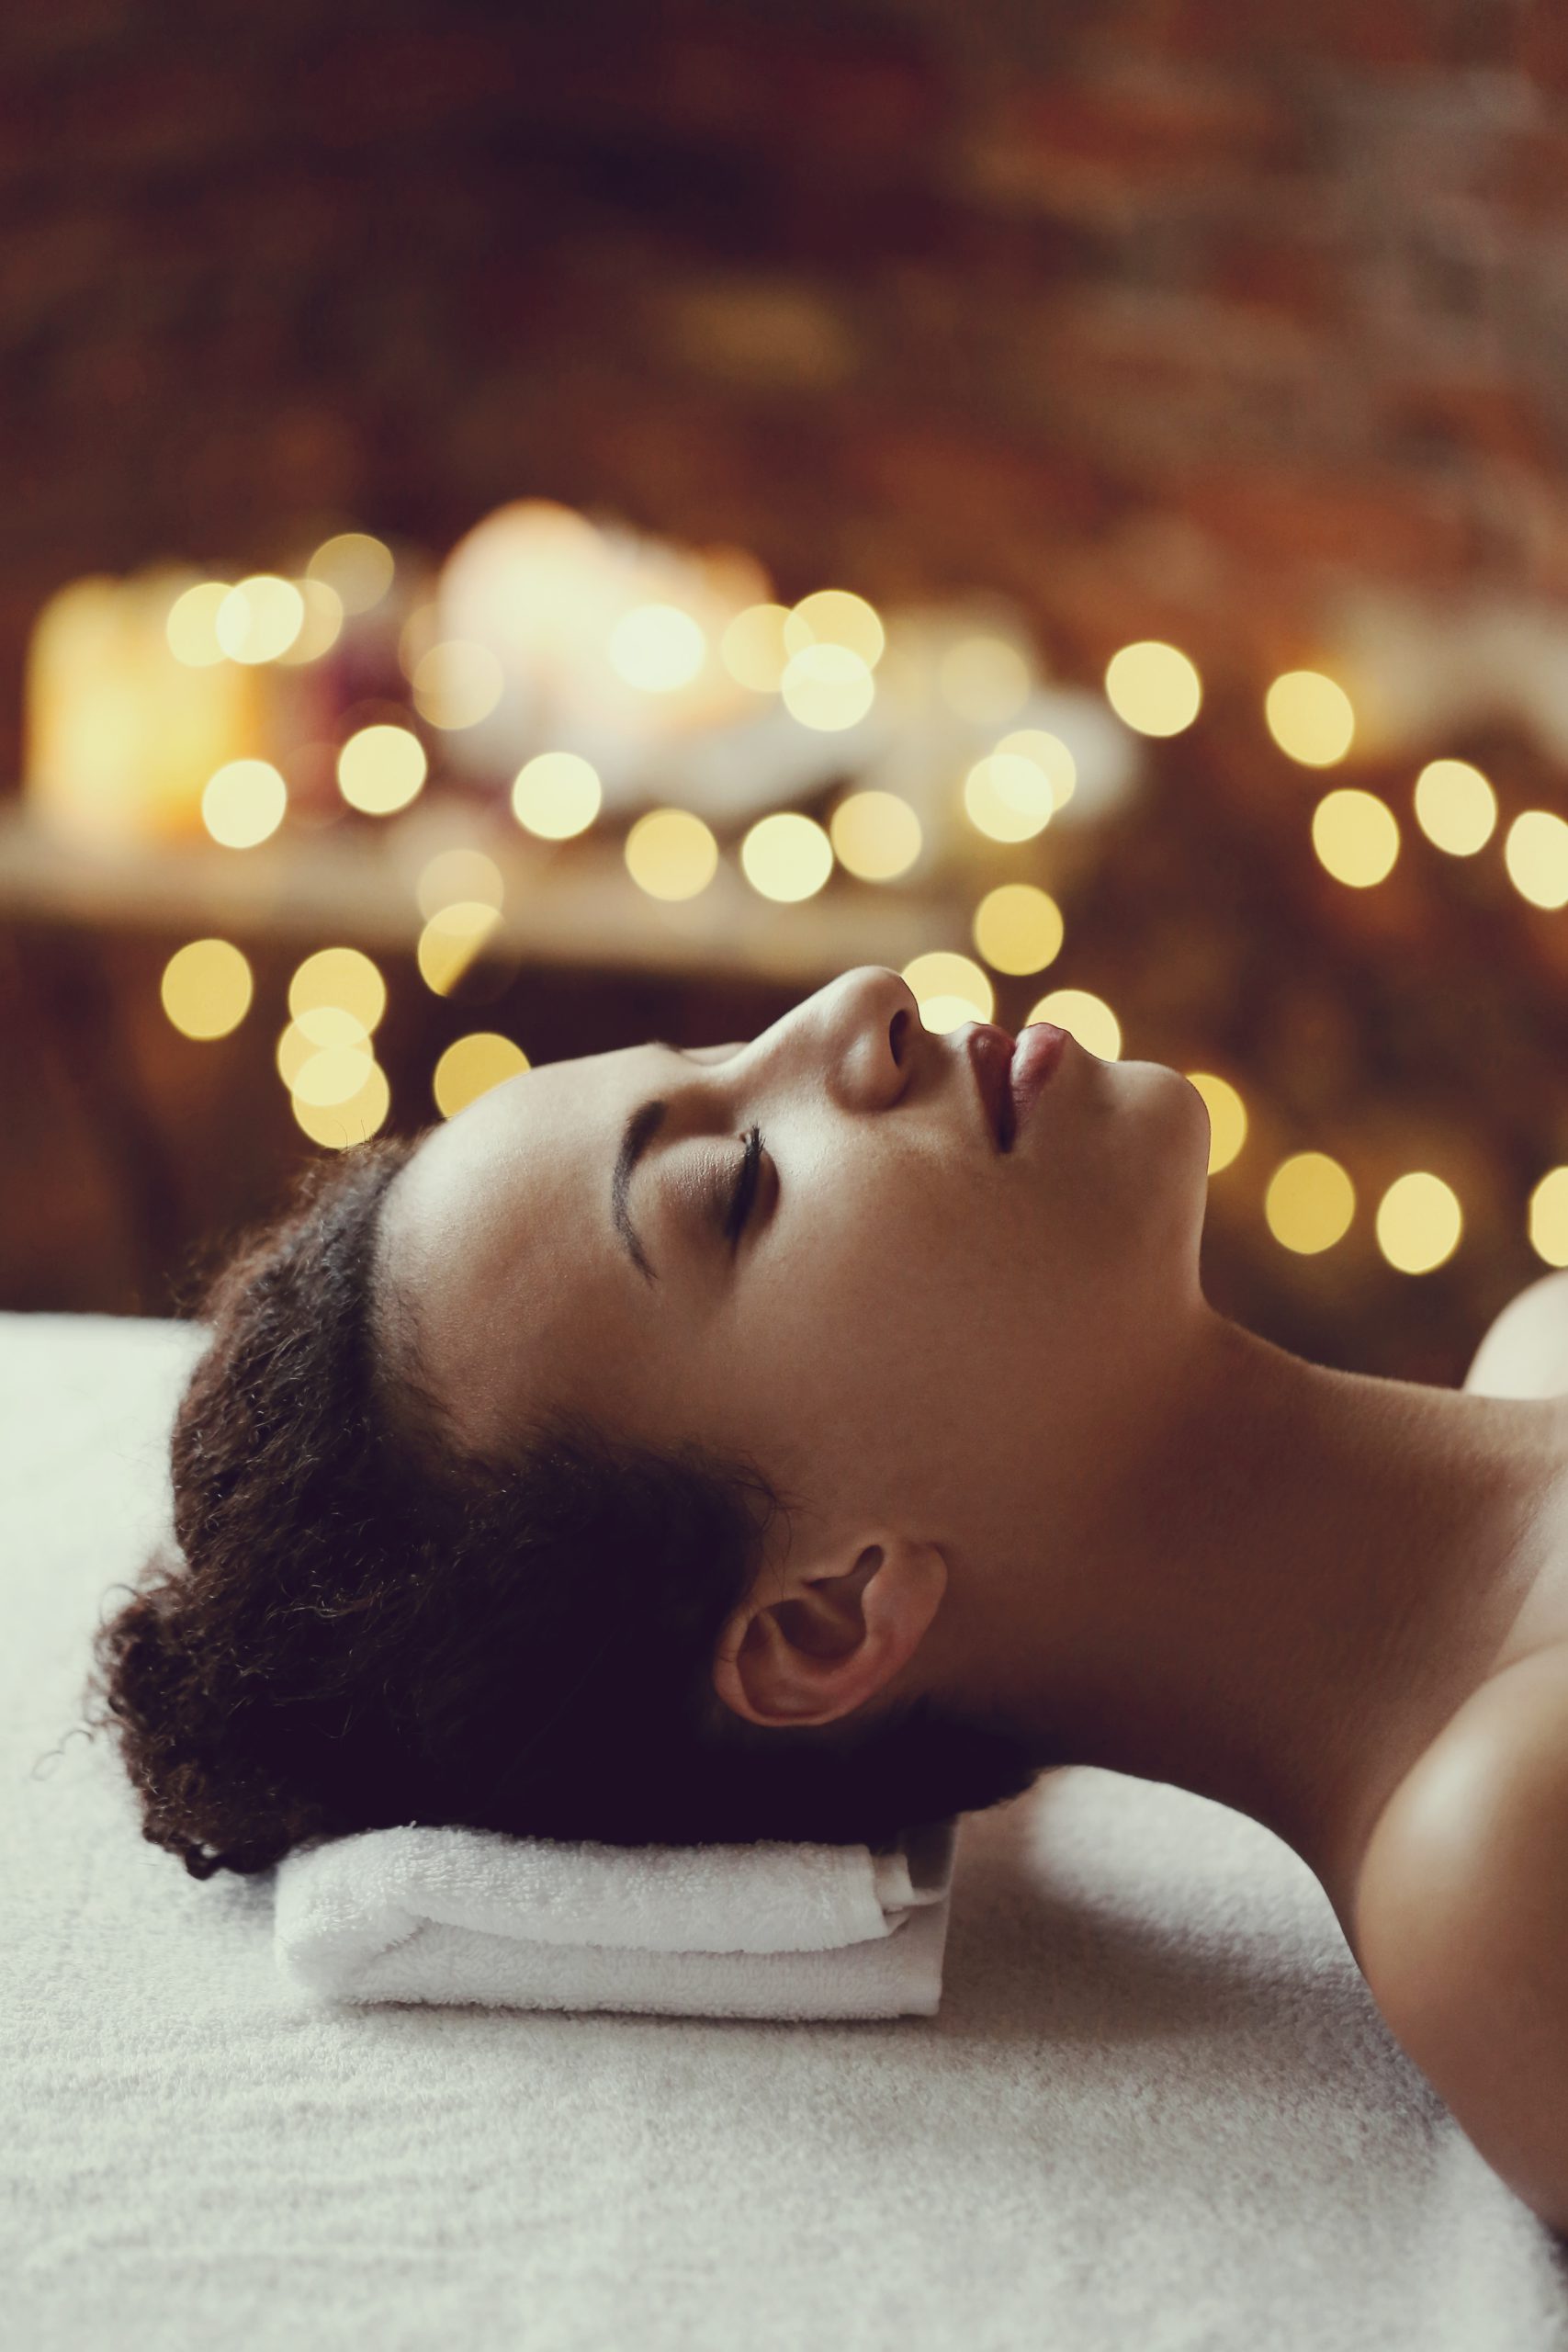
[
  {"x": 1460, "y": 1913},
  {"x": 1525, "y": 1351},
  {"x": 1461, "y": 1924}
]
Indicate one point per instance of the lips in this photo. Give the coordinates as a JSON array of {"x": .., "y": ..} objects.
[
  {"x": 1037, "y": 1054},
  {"x": 990, "y": 1051}
]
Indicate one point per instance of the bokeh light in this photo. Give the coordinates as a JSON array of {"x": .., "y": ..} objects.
[
  {"x": 1087, "y": 1016},
  {"x": 826, "y": 688},
  {"x": 329, "y": 1075},
  {"x": 457, "y": 684},
  {"x": 418, "y": 634},
  {"x": 1535, "y": 850},
  {"x": 381, "y": 769},
  {"x": 1227, "y": 1116},
  {"x": 1549, "y": 1217},
  {"x": 835, "y": 616},
  {"x": 260, "y": 618},
  {"x": 752, "y": 648},
  {"x": 657, "y": 648},
  {"x": 243, "y": 803},
  {"x": 983, "y": 679},
  {"x": 453, "y": 936},
  {"x": 1310, "y": 717},
  {"x": 950, "y": 989},
  {"x": 338, "y": 1091},
  {"x": 338, "y": 1125},
  {"x": 455, "y": 873},
  {"x": 670, "y": 853},
  {"x": 1310, "y": 1202},
  {"x": 875, "y": 835},
  {"x": 328, "y": 1024},
  {"x": 294, "y": 1050},
  {"x": 206, "y": 988},
  {"x": 356, "y": 568},
  {"x": 1356, "y": 836},
  {"x": 786, "y": 856},
  {"x": 1009, "y": 798},
  {"x": 1418, "y": 1222},
  {"x": 192, "y": 625},
  {"x": 1048, "y": 753},
  {"x": 471, "y": 1066},
  {"x": 1153, "y": 687},
  {"x": 556, "y": 795},
  {"x": 1455, "y": 807},
  {"x": 342, "y": 979},
  {"x": 321, "y": 625},
  {"x": 321, "y": 1028},
  {"x": 1019, "y": 927}
]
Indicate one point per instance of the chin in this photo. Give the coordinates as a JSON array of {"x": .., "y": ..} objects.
[
  {"x": 1173, "y": 1143},
  {"x": 1159, "y": 1088}
]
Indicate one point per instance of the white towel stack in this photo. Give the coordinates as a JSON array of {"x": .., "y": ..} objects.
[{"x": 470, "y": 1916}]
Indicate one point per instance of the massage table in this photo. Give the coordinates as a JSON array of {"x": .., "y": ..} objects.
[{"x": 1157, "y": 2108}]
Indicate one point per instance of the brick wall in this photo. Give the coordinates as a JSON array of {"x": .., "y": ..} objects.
[
  {"x": 1166, "y": 318},
  {"x": 1158, "y": 316}
]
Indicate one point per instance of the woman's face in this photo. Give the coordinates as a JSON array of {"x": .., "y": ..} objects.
[{"x": 905, "y": 1319}]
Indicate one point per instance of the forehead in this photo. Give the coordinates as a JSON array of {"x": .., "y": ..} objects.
[{"x": 497, "y": 1233}]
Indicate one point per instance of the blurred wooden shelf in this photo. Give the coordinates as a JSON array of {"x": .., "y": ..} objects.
[{"x": 572, "y": 905}]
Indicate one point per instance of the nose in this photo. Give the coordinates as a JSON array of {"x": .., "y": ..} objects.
[{"x": 861, "y": 1035}]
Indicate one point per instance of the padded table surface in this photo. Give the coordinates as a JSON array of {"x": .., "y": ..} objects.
[{"x": 1157, "y": 2107}]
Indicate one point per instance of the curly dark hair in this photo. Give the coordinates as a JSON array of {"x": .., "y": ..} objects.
[{"x": 358, "y": 1625}]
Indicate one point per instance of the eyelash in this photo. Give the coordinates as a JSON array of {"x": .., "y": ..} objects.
[{"x": 744, "y": 1190}]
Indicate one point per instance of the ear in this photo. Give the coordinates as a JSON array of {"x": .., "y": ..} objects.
[{"x": 838, "y": 1632}]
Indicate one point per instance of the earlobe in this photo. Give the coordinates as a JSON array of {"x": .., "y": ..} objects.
[{"x": 835, "y": 1637}]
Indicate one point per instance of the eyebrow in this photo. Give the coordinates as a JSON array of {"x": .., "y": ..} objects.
[
  {"x": 638, "y": 1133},
  {"x": 636, "y": 1136}
]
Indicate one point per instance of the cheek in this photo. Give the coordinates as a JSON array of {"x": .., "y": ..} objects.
[{"x": 839, "y": 1341}]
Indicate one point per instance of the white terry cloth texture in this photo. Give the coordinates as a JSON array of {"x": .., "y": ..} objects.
[
  {"x": 1155, "y": 2108},
  {"x": 772, "y": 1929}
]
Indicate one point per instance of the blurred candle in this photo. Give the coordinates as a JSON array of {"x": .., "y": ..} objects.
[{"x": 121, "y": 735}]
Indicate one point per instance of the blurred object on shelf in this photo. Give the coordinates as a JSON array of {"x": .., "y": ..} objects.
[
  {"x": 123, "y": 734},
  {"x": 578, "y": 673},
  {"x": 154, "y": 704}
]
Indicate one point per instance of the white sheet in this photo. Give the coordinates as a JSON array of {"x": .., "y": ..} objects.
[{"x": 1157, "y": 2108}]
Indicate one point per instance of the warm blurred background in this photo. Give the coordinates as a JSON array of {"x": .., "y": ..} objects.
[{"x": 526, "y": 529}]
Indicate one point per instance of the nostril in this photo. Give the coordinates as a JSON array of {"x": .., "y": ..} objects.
[{"x": 897, "y": 1029}]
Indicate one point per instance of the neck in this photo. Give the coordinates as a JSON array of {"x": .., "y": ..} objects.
[{"x": 1310, "y": 1571}]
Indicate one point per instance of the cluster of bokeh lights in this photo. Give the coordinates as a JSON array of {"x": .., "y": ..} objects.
[
  {"x": 326, "y": 1055},
  {"x": 269, "y": 618},
  {"x": 819, "y": 656}
]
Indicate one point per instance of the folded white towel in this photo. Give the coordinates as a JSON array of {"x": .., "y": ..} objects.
[{"x": 466, "y": 1915}]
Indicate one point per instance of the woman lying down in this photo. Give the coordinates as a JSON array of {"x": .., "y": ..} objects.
[{"x": 802, "y": 1439}]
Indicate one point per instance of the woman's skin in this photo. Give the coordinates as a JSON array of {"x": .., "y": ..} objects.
[{"x": 1032, "y": 1470}]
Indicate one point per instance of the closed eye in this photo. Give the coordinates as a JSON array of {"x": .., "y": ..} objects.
[{"x": 743, "y": 1192}]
